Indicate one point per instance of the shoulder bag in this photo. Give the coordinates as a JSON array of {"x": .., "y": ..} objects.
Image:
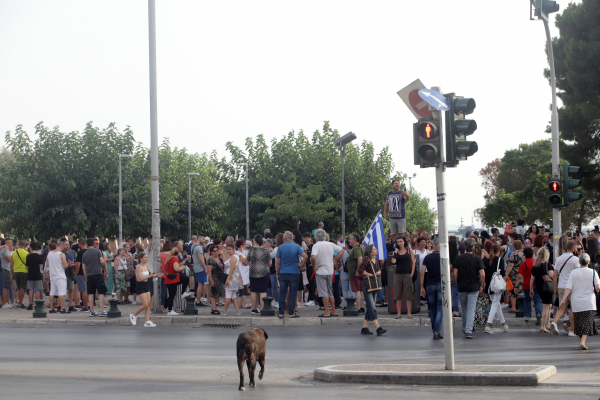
[
  {"x": 170, "y": 276},
  {"x": 548, "y": 282},
  {"x": 497, "y": 284},
  {"x": 372, "y": 283}
]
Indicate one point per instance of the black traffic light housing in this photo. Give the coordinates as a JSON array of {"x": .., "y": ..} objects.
[
  {"x": 555, "y": 192},
  {"x": 569, "y": 196},
  {"x": 458, "y": 128},
  {"x": 427, "y": 142}
]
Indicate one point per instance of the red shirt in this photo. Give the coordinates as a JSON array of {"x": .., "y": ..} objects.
[
  {"x": 169, "y": 269},
  {"x": 525, "y": 270}
]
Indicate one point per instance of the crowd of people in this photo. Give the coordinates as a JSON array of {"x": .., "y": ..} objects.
[{"x": 488, "y": 272}]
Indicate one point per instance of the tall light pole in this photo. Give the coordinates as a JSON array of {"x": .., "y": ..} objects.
[
  {"x": 341, "y": 144},
  {"x": 121, "y": 156},
  {"x": 190, "y": 203},
  {"x": 409, "y": 182},
  {"x": 550, "y": 7},
  {"x": 154, "y": 153},
  {"x": 247, "y": 205}
]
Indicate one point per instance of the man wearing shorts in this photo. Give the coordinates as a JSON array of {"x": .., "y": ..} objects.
[
  {"x": 354, "y": 260},
  {"x": 199, "y": 267},
  {"x": 396, "y": 205},
  {"x": 20, "y": 271},
  {"x": 565, "y": 264},
  {"x": 7, "y": 277},
  {"x": 57, "y": 263},
  {"x": 323, "y": 260},
  {"x": 94, "y": 269},
  {"x": 35, "y": 281}
]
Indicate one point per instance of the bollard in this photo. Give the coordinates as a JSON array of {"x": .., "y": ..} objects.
[
  {"x": 113, "y": 311},
  {"x": 39, "y": 309},
  {"x": 190, "y": 306},
  {"x": 520, "y": 305},
  {"x": 350, "y": 310},
  {"x": 267, "y": 310}
]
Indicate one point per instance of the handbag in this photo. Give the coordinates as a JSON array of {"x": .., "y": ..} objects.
[
  {"x": 509, "y": 284},
  {"x": 548, "y": 282},
  {"x": 497, "y": 284},
  {"x": 373, "y": 283},
  {"x": 482, "y": 309}
]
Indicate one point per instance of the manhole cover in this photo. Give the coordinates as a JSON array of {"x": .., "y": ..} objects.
[{"x": 227, "y": 326}]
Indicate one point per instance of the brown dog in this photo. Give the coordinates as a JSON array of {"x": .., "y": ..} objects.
[{"x": 251, "y": 347}]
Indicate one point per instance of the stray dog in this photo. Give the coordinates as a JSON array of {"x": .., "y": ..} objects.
[{"x": 251, "y": 347}]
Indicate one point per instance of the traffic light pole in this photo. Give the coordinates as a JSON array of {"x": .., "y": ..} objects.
[
  {"x": 556, "y": 215},
  {"x": 444, "y": 253}
]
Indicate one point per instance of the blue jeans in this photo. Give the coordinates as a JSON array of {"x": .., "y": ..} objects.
[
  {"x": 537, "y": 301},
  {"x": 371, "y": 312},
  {"x": 163, "y": 291},
  {"x": 286, "y": 281},
  {"x": 346, "y": 290},
  {"x": 455, "y": 300},
  {"x": 468, "y": 301},
  {"x": 274, "y": 289},
  {"x": 434, "y": 298}
]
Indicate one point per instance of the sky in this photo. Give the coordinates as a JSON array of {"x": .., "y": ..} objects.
[{"x": 236, "y": 69}]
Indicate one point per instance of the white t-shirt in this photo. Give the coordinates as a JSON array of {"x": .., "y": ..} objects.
[
  {"x": 565, "y": 271},
  {"x": 421, "y": 257},
  {"x": 521, "y": 230},
  {"x": 244, "y": 269},
  {"x": 583, "y": 297},
  {"x": 323, "y": 251}
]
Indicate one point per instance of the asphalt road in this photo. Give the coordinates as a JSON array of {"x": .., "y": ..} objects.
[{"x": 71, "y": 362}]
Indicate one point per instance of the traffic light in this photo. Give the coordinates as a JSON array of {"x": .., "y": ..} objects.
[
  {"x": 568, "y": 184},
  {"x": 555, "y": 192},
  {"x": 427, "y": 142},
  {"x": 458, "y": 128},
  {"x": 546, "y": 7}
]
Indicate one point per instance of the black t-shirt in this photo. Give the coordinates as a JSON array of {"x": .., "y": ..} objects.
[
  {"x": 33, "y": 262},
  {"x": 538, "y": 272},
  {"x": 468, "y": 267},
  {"x": 403, "y": 264},
  {"x": 79, "y": 260},
  {"x": 308, "y": 253},
  {"x": 432, "y": 263}
]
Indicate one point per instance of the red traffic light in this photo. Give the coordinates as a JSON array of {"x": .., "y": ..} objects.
[
  {"x": 554, "y": 187},
  {"x": 427, "y": 130}
]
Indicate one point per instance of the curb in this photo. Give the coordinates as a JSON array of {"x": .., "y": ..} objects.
[
  {"x": 254, "y": 321},
  {"x": 336, "y": 374}
]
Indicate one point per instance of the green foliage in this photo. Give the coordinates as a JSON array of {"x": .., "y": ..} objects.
[{"x": 418, "y": 213}]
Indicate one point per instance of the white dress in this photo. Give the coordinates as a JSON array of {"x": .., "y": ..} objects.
[
  {"x": 236, "y": 282},
  {"x": 244, "y": 269}
]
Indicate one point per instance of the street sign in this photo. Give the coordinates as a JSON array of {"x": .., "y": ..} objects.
[
  {"x": 410, "y": 97},
  {"x": 435, "y": 99}
]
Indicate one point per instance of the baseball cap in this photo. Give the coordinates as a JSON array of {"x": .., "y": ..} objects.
[{"x": 206, "y": 239}]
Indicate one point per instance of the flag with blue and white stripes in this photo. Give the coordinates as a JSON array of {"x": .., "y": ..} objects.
[{"x": 375, "y": 236}]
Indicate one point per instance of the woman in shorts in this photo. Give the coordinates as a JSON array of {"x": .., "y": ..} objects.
[{"x": 144, "y": 281}]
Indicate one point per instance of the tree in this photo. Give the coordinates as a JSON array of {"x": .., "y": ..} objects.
[
  {"x": 418, "y": 213},
  {"x": 577, "y": 62}
]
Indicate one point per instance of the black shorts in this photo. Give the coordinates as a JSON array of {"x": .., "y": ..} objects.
[
  {"x": 142, "y": 287},
  {"x": 96, "y": 283}
]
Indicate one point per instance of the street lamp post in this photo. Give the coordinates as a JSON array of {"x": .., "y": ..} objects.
[
  {"x": 190, "y": 203},
  {"x": 409, "y": 182},
  {"x": 341, "y": 143},
  {"x": 247, "y": 205},
  {"x": 121, "y": 156}
]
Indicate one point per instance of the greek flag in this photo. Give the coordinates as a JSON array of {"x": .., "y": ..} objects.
[{"x": 375, "y": 236}]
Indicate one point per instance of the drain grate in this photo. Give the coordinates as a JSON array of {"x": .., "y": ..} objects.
[{"x": 227, "y": 326}]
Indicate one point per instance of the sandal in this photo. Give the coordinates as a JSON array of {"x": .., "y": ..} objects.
[
  {"x": 280, "y": 316},
  {"x": 397, "y": 317},
  {"x": 294, "y": 316},
  {"x": 215, "y": 312},
  {"x": 247, "y": 307},
  {"x": 321, "y": 316}
]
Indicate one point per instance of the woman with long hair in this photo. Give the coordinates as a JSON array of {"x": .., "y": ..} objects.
[
  {"x": 496, "y": 263},
  {"x": 215, "y": 271},
  {"x": 144, "y": 280},
  {"x": 514, "y": 262},
  {"x": 370, "y": 267},
  {"x": 404, "y": 259},
  {"x": 542, "y": 267},
  {"x": 173, "y": 278}
]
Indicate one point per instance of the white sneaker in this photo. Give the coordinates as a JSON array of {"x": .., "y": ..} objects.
[
  {"x": 505, "y": 328},
  {"x": 203, "y": 299},
  {"x": 14, "y": 304},
  {"x": 132, "y": 319},
  {"x": 572, "y": 334},
  {"x": 149, "y": 324},
  {"x": 133, "y": 304},
  {"x": 310, "y": 303},
  {"x": 275, "y": 304},
  {"x": 172, "y": 312},
  {"x": 300, "y": 305},
  {"x": 488, "y": 329},
  {"x": 7, "y": 305},
  {"x": 186, "y": 294},
  {"x": 554, "y": 328}
]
